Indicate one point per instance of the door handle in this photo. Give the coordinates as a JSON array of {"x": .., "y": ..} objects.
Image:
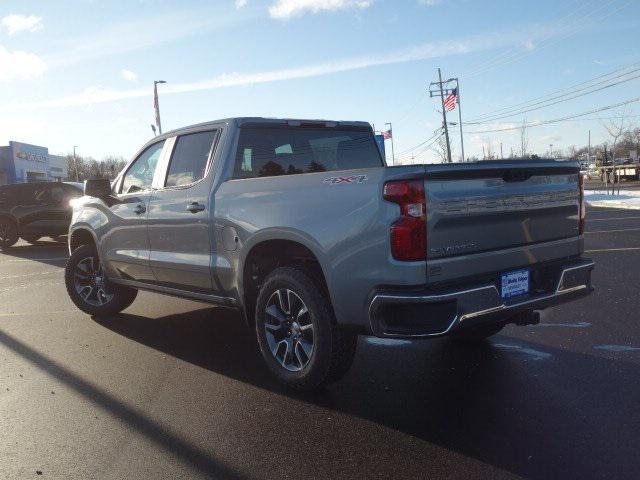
[
  {"x": 195, "y": 207},
  {"x": 139, "y": 209}
]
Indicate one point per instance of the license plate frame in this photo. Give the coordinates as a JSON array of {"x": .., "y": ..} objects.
[{"x": 515, "y": 283}]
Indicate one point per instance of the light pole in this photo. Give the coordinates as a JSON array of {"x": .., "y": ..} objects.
[
  {"x": 156, "y": 104},
  {"x": 75, "y": 161}
]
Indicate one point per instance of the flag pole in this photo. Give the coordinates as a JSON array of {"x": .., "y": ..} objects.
[
  {"x": 393, "y": 154},
  {"x": 460, "y": 117}
]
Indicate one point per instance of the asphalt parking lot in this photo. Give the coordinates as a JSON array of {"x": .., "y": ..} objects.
[{"x": 176, "y": 389}]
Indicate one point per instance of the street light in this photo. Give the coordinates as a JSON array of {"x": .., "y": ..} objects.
[
  {"x": 156, "y": 104},
  {"x": 75, "y": 161}
]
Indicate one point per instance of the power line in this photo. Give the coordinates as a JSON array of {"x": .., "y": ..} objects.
[
  {"x": 568, "y": 90},
  {"x": 533, "y": 107},
  {"x": 557, "y": 120},
  {"x": 436, "y": 132}
]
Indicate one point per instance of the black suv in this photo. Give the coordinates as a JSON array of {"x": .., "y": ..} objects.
[{"x": 34, "y": 210}]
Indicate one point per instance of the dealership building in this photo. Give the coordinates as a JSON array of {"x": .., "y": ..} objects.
[{"x": 22, "y": 162}]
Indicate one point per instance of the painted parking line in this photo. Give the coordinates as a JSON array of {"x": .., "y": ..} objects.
[
  {"x": 602, "y": 250},
  {"x": 613, "y": 231},
  {"x": 613, "y": 218},
  {"x": 44, "y": 312},
  {"x": 9, "y": 277},
  {"x": 20, "y": 260}
]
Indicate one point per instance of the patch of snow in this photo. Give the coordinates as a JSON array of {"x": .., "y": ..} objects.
[{"x": 628, "y": 199}]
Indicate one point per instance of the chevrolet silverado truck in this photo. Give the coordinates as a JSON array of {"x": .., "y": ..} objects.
[{"x": 301, "y": 226}]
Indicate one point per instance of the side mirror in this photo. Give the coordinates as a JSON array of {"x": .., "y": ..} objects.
[{"x": 97, "y": 187}]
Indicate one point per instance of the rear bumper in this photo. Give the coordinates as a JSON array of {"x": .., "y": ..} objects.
[{"x": 398, "y": 314}]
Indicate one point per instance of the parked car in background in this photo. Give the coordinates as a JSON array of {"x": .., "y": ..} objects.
[
  {"x": 301, "y": 226},
  {"x": 34, "y": 210}
]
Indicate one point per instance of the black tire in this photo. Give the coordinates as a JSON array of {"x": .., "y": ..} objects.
[
  {"x": 114, "y": 298},
  {"x": 31, "y": 238},
  {"x": 8, "y": 233},
  {"x": 477, "y": 334},
  {"x": 332, "y": 350}
]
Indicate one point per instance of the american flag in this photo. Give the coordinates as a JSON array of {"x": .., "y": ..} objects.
[
  {"x": 451, "y": 100},
  {"x": 387, "y": 134}
]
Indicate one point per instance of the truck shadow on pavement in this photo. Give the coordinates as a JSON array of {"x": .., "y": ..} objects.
[{"x": 532, "y": 410}]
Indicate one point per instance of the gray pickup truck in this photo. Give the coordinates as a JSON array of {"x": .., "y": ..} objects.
[{"x": 301, "y": 226}]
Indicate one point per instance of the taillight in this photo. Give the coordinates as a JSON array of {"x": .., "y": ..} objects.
[
  {"x": 583, "y": 209},
  {"x": 409, "y": 232}
]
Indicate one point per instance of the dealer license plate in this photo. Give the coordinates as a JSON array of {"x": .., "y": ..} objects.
[{"x": 514, "y": 283}]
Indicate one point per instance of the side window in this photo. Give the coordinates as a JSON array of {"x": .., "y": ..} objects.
[
  {"x": 274, "y": 151},
  {"x": 140, "y": 173},
  {"x": 57, "y": 194},
  {"x": 38, "y": 194},
  {"x": 190, "y": 157}
]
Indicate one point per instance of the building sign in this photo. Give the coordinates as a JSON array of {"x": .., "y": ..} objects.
[{"x": 33, "y": 157}]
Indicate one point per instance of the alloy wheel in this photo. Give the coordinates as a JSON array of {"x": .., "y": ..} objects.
[
  {"x": 289, "y": 329},
  {"x": 90, "y": 283}
]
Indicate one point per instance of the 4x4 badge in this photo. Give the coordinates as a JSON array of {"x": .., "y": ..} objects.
[{"x": 341, "y": 180}]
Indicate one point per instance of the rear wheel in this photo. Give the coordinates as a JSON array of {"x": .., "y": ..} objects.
[
  {"x": 476, "y": 334},
  {"x": 31, "y": 238},
  {"x": 8, "y": 233},
  {"x": 89, "y": 288},
  {"x": 297, "y": 332}
]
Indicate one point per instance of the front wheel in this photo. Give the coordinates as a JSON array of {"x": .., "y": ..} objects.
[
  {"x": 88, "y": 287},
  {"x": 297, "y": 332}
]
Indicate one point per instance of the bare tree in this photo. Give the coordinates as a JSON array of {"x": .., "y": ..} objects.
[
  {"x": 440, "y": 149},
  {"x": 616, "y": 129}
]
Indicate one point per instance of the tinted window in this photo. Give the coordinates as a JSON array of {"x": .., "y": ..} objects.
[
  {"x": 57, "y": 193},
  {"x": 264, "y": 152},
  {"x": 140, "y": 174},
  {"x": 189, "y": 159},
  {"x": 34, "y": 193}
]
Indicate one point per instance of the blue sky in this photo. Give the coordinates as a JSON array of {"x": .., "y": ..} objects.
[{"x": 80, "y": 72}]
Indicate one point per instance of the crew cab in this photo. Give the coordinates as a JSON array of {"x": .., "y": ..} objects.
[{"x": 301, "y": 226}]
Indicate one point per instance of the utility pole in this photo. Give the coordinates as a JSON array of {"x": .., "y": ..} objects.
[
  {"x": 156, "y": 104},
  {"x": 393, "y": 154},
  {"x": 501, "y": 155},
  {"x": 589, "y": 150},
  {"x": 75, "y": 161},
  {"x": 440, "y": 92},
  {"x": 550, "y": 149},
  {"x": 484, "y": 156}
]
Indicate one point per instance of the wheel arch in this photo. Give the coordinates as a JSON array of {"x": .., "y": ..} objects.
[
  {"x": 269, "y": 252},
  {"x": 81, "y": 236}
]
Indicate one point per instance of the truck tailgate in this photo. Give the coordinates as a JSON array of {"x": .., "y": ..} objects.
[{"x": 500, "y": 205}]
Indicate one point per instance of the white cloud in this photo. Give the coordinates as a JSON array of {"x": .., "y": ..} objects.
[
  {"x": 17, "y": 64},
  {"x": 129, "y": 75},
  {"x": 285, "y": 9},
  {"x": 424, "y": 51},
  {"x": 429, "y": 3},
  {"x": 21, "y": 23},
  {"x": 529, "y": 45},
  {"x": 241, "y": 4},
  {"x": 141, "y": 33}
]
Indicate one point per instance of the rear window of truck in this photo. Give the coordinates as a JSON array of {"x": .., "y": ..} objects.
[{"x": 268, "y": 152}]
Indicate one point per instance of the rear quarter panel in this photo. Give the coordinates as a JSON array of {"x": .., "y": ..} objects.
[{"x": 346, "y": 226}]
